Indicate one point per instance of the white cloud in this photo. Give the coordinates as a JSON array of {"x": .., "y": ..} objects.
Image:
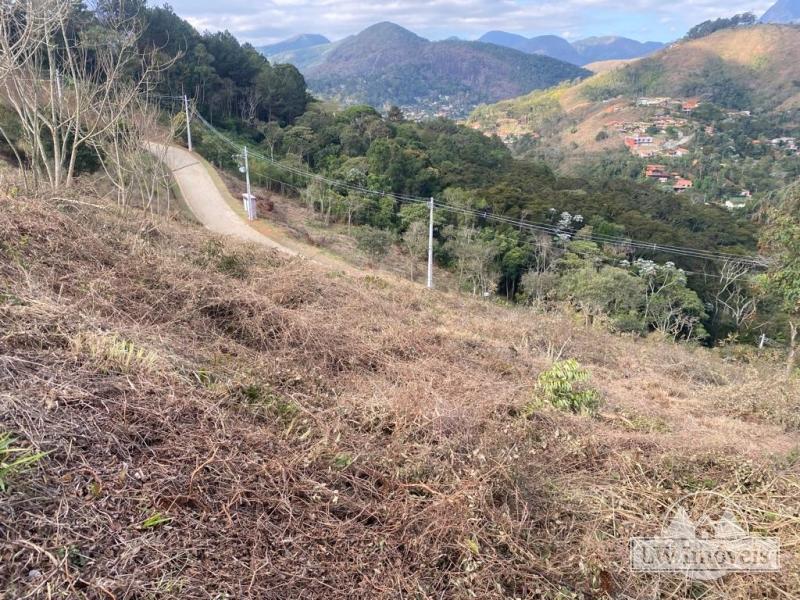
[{"x": 271, "y": 20}]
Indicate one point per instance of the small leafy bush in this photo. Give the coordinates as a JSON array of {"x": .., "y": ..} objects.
[{"x": 564, "y": 387}]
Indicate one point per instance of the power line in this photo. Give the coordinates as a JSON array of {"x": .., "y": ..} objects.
[{"x": 687, "y": 252}]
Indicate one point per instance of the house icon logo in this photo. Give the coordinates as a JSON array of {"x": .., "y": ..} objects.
[{"x": 705, "y": 548}]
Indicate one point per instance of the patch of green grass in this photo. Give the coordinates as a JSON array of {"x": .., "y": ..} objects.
[
  {"x": 154, "y": 520},
  {"x": 644, "y": 423},
  {"x": 73, "y": 556},
  {"x": 14, "y": 459},
  {"x": 204, "y": 377},
  {"x": 343, "y": 460},
  {"x": 10, "y": 299},
  {"x": 373, "y": 282}
]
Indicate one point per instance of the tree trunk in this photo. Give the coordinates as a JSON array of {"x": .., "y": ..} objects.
[{"x": 790, "y": 362}]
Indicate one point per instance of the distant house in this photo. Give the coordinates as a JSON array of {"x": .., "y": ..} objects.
[
  {"x": 653, "y": 101},
  {"x": 734, "y": 203},
  {"x": 681, "y": 185},
  {"x": 690, "y": 105},
  {"x": 679, "y": 152},
  {"x": 638, "y": 140},
  {"x": 656, "y": 172},
  {"x": 789, "y": 143}
]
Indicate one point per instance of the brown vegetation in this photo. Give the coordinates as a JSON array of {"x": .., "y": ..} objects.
[{"x": 223, "y": 422}]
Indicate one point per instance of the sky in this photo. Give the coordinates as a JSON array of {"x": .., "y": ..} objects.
[{"x": 269, "y": 21}]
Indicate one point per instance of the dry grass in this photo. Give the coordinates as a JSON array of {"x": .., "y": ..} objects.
[{"x": 223, "y": 422}]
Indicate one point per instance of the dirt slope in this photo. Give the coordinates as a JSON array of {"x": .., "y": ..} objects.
[{"x": 222, "y": 420}]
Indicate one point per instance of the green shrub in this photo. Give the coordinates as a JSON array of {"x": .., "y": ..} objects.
[{"x": 564, "y": 387}]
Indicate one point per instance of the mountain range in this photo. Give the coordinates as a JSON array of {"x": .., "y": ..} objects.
[
  {"x": 307, "y": 50},
  {"x": 580, "y": 53},
  {"x": 784, "y": 12},
  {"x": 387, "y": 64}
]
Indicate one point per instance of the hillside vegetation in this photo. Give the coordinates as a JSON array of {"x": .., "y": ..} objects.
[
  {"x": 739, "y": 69},
  {"x": 220, "y": 421},
  {"x": 736, "y": 68}
]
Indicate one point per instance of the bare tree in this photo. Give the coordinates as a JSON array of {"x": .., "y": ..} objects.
[
  {"x": 734, "y": 297},
  {"x": 475, "y": 258},
  {"x": 133, "y": 157},
  {"x": 415, "y": 240},
  {"x": 70, "y": 83}
]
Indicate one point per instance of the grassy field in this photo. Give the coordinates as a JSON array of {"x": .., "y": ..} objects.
[{"x": 219, "y": 421}]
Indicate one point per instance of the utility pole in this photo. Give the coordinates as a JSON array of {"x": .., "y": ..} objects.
[
  {"x": 249, "y": 199},
  {"x": 188, "y": 122},
  {"x": 430, "y": 248},
  {"x": 247, "y": 170}
]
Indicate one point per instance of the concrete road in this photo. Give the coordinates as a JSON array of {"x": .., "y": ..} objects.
[{"x": 206, "y": 200}]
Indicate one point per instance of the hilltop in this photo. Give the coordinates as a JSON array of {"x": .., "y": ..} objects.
[
  {"x": 387, "y": 64},
  {"x": 287, "y": 430},
  {"x": 295, "y": 43},
  {"x": 783, "y": 11},
  {"x": 546, "y": 45}
]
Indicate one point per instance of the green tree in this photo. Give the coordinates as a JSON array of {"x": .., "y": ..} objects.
[
  {"x": 670, "y": 306},
  {"x": 781, "y": 238},
  {"x": 609, "y": 291},
  {"x": 375, "y": 243}
]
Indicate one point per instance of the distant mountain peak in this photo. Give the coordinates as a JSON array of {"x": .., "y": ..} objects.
[
  {"x": 503, "y": 38},
  {"x": 783, "y": 12},
  {"x": 296, "y": 42},
  {"x": 392, "y": 30},
  {"x": 386, "y": 64}
]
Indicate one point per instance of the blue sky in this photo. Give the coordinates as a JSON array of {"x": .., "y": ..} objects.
[{"x": 267, "y": 21}]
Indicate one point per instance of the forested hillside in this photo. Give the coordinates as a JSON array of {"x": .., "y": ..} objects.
[
  {"x": 226, "y": 79},
  {"x": 391, "y": 154},
  {"x": 386, "y": 64}
]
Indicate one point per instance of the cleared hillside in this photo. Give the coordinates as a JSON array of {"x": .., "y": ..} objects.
[{"x": 221, "y": 421}]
